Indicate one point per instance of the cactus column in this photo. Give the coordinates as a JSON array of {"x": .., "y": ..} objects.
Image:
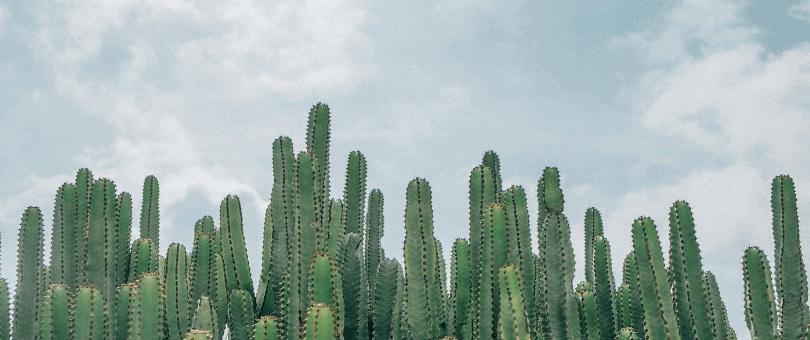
[
  {"x": 29, "y": 274},
  {"x": 660, "y": 321}
]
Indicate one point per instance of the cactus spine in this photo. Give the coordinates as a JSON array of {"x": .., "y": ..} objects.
[
  {"x": 29, "y": 275},
  {"x": 513, "y": 321},
  {"x": 660, "y": 321}
]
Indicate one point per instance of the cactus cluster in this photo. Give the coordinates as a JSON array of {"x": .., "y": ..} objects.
[{"x": 324, "y": 274}]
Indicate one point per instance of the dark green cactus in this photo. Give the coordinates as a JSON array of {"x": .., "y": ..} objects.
[
  {"x": 205, "y": 224},
  {"x": 593, "y": 228},
  {"x": 148, "y": 308},
  {"x": 84, "y": 187},
  {"x": 399, "y": 322},
  {"x": 760, "y": 309},
  {"x": 205, "y": 316},
  {"x": 549, "y": 200},
  {"x": 266, "y": 328},
  {"x": 177, "y": 292},
  {"x": 623, "y": 313},
  {"x": 459, "y": 286},
  {"x": 102, "y": 239},
  {"x": 123, "y": 223},
  {"x": 318, "y": 135},
  {"x": 630, "y": 277},
  {"x": 306, "y": 228},
  {"x": 687, "y": 270},
  {"x": 604, "y": 287},
  {"x": 494, "y": 254},
  {"x": 125, "y": 294},
  {"x": 88, "y": 314},
  {"x": 321, "y": 323},
  {"x": 791, "y": 279},
  {"x": 150, "y": 213},
  {"x": 354, "y": 192},
  {"x": 202, "y": 273},
  {"x": 363, "y": 326},
  {"x": 590, "y": 323},
  {"x": 350, "y": 263},
  {"x": 221, "y": 297},
  {"x": 520, "y": 242},
  {"x": 29, "y": 275},
  {"x": 5, "y": 313},
  {"x": 513, "y": 321},
  {"x": 557, "y": 266},
  {"x": 374, "y": 252},
  {"x": 196, "y": 334},
  {"x": 234, "y": 252},
  {"x": 55, "y": 322},
  {"x": 440, "y": 291},
  {"x": 64, "y": 237},
  {"x": 240, "y": 314},
  {"x": 422, "y": 307},
  {"x": 717, "y": 308},
  {"x": 492, "y": 161},
  {"x": 483, "y": 192},
  {"x": 383, "y": 304},
  {"x": 144, "y": 258},
  {"x": 326, "y": 285},
  {"x": 660, "y": 321},
  {"x": 627, "y": 334},
  {"x": 331, "y": 235}
]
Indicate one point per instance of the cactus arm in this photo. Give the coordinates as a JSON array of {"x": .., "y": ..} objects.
[
  {"x": 627, "y": 333},
  {"x": 384, "y": 299},
  {"x": 520, "y": 250},
  {"x": 350, "y": 272},
  {"x": 318, "y": 135},
  {"x": 177, "y": 304},
  {"x": 593, "y": 228},
  {"x": 240, "y": 314},
  {"x": 630, "y": 272},
  {"x": 624, "y": 314},
  {"x": 61, "y": 244},
  {"x": 590, "y": 322},
  {"x": 88, "y": 314},
  {"x": 5, "y": 321},
  {"x": 321, "y": 323},
  {"x": 234, "y": 252},
  {"x": 513, "y": 321},
  {"x": 84, "y": 187},
  {"x": 399, "y": 323},
  {"x": 125, "y": 295},
  {"x": 221, "y": 299},
  {"x": 659, "y": 311},
  {"x": 604, "y": 286},
  {"x": 123, "y": 223},
  {"x": 760, "y": 309},
  {"x": 102, "y": 237},
  {"x": 202, "y": 273},
  {"x": 266, "y": 328},
  {"x": 494, "y": 253},
  {"x": 492, "y": 161},
  {"x": 459, "y": 285},
  {"x": 144, "y": 258},
  {"x": 29, "y": 274},
  {"x": 307, "y": 223},
  {"x": 557, "y": 268},
  {"x": 717, "y": 308},
  {"x": 483, "y": 192},
  {"x": 354, "y": 192},
  {"x": 150, "y": 213},
  {"x": 326, "y": 285},
  {"x": 150, "y": 320},
  {"x": 374, "y": 251},
  {"x": 55, "y": 313}
]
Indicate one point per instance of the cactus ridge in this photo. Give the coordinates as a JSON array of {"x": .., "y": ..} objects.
[
  {"x": 660, "y": 320},
  {"x": 266, "y": 328},
  {"x": 150, "y": 213},
  {"x": 593, "y": 228},
  {"x": 717, "y": 308},
  {"x": 84, "y": 187},
  {"x": 513, "y": 320},
  {"x": 420, "y": 262},
  {"x": 384, "y": 299},
  {"x": 604, "y": 290},
  {"x": 27, "y": 297},
  {"x": 234, "y": 252},
  {"x": 89, "y": 321},
  {"x": 459, "y": 286},
  {"x": 177, "y": 293},
  {"x": 520, "y": 242},
  {"x": 55, "y": 313},
  {"x": 760, "y": 309},
  {"x": 354, "y": 192}
]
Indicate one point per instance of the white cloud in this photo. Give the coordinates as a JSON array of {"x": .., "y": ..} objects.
[{"x": 800, "y": 11}]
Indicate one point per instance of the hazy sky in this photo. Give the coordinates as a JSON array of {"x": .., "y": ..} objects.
[{"x": 638, "y": 103}]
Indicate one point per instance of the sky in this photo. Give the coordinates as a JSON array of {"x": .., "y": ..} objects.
[{"x": 638, "y": 104}]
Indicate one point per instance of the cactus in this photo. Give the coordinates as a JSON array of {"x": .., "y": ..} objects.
[
  {"x": 88, "y": 314},
  {"x": 520, "y": 241},
  {"x": 221, "y": 297},
  {"x": 125, "y": 294},
  {"x": 627, "y": 334},
  {"x": 29, "y": 275},
  {"x": 102, "y": 239},
  {"x": 483, "y": 192},
  {"x": 331, "y": 235},
  {"x": 593, "y": 228},
  {"x": 350, "y": 263},
  {"x": 318, "y": 135},
  {"x": 374, "y": 252},
  {"x": 326, "y": 285},
  {"x": 660, "y": 321},
  {"x": 623, "y": 313},
  {"x": 492, "y": 161},
  {"x": 383, "y": 303},
  {"x": 513, "y": 321},
  {"x": 64, "y": 237},
  {"x": 144, "y": 258},
  {"x": 234, "y": 252},
  {"x": 459, "y": 286},
  {"x": 177, "y": 293},
  {"x": 791, "y": 279},
  {"x": 440, "y": 291},
  {"x": 205, "y": 316},
  {"x": 604, "y": 287},
  {"x": 150, "y": 213},
  {"x": 630, "y": 277},
  {"x": 148, "y": 308},
  {"x": 760, "y": 309},
  {"x": 590, "y": 322},
  {"x": 266, "y": 328},
  {"x": 123, "y": 225},
  {"x": 717, "y": 308},
  {"x": 240, "y": 314},
  {"x": 494, "y": 254},
  {"x": 306, "y": 226},
  {"x": 321, "y": 323},
  {"x": 422, "y": 307},
  {"x": 55, "y": 313},
  {"x": 5, "y": 321},
  {"x": 202, "y": 272},
  {"x": 196, "y": 334},
  {"x": 84, "y": 186},
  {"x": 550, "y": 200},
  {"x": 687, "y": 269},
  {"x": 399, "y": 322},
  {"x": 557, "y": 268},
  {"x": 354, "y": 192}
]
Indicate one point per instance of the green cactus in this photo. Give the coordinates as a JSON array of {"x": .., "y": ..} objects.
[
  {"x": 363, "y": 331},
  {"x": 483, "y": 192},
  {"x": 660, "y": 321},
  {"x": 221, "y": 298},
  {"x": 623, "y": 313},
  {"x": 240, "y": 314},
  {"x": 331, "y": 235},
  {"x": 627, "y": 333},
  {"x": 102, "y": 239},
  {"x": 520, "y": 242},
  {"x": 196, "y": 334},
  {"x": 440, "y": 292},
  {"x": 605, "y": 286},
  {"x": 590, "y": 322},
  {"x": 399, "y": 320},
  {"x": 29, "y": 275},
  {"x": 513, "y": 320},
  {"x": 791, "y": 279},
  {"x": 124, "y": 296},
  {"x": 383, "y": 304},
  {"x": 55, "y": 313},
  {"x": 421, "y": 302},
  {"x": 557, "y": 267},
  {"x": 205, "y": 316},
  {"x": 88, "y": 314},
  {"x": 177, "y": 293},
  {"x": 321, "y": 323},
  {"x": 318, "y": 135},
  {"x": 144, "y": 258},
  {"x": 630, "y": 277},
  {"x": 202, "y": 272},
  {"x": 350, "y": 264},
  {"x": 550, "y": 200},
  {"x": 150, "y": 213},
  {"x": 123, "y": 224},
  {"x": 687, "y": 269},
  {"x": 148, "y": 308},
  {"x": 326, "y": 285},
  {"x": 84, "y": 187},
  {"x": 593, "y": 228},
  {"x": 374, "y": 252},
  {"x": 760, "y": 309},
  {"x": 266, "y": 328},
  {"x": 205, "y": 224},
  {"x": 354, "y": 192},
  {"x": 492, "y": 161},
  {"x": 234, "y": 252},
  {"x": 459, "y": 286},
  {"x": 64, "y": 237},
  {"x": 5, "y": 313},
  {"x": 717, "y": 308},
  {"x": 495, "y": 253},
  {"x": 306, "y": 229}
]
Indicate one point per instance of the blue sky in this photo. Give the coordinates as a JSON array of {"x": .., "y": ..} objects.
[{"x": 638, "y": 104}]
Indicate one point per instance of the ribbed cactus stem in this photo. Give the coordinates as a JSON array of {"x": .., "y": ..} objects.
[
  {"x": 623, "y": 313},
  {"x": 55, "y": 313},
  {"x": 383, "y": 303},
  {"x": 604, "y": 286},
  {"x": 5, "y": 313},
  {"x": 202, "y": 273},
  {"x": 331, "y": 235},
  {"x": 240, "y": 314},
  {"x": 350, "y": 263},
  {"x": 520, "y": 241},
  {"x": 65, "y": 236},
  {"x": 308, "y": 220},
  {"x": 483, "y": 192},
  {"x": 374, "y": 252},
  {"x": 84, "y": 187},
  {"x": 399, "y": 322},
  {"x": 123, "y": 224},
  {"x": 150, "y": 212},
  {"x": 760, "y": 309},
  {"x": 513, "y": 321},
  {"x": 593, "y": 228},
  {"x": 318, "y": 135},
  {"x": 656, "y": 298},
  {"x": 205, "y": 224},
  {"x": 326, "y": 285},
  {"x": 354, "y": 192},
  {"x": 494, "y": 254},
  {"x": 88, "y": 314},
  {"x": 589, "y": 318},
  {"x": 717, "y": 308},
  {"x": 459, "y": 286},
  {"x": 177, "y": 303},
  {"x": 321, "y": 323},
  {"x": 557, "y": 265},
  {"x": 687, "y": 270},
  {"x": 266, "y": 328},
  {"x": 102, "y": 239},
  {"x": 492, "y": 161},
  {"x": 29, "y": 275},
  {"x": 627, "y": 334},
  {"x": 205, "y": 316},
  {"x": 144, "y": 258},
  {"x": 234, "y": 252},
  {"x": 148, "y": 309},
  {"x": 630, "y": 277},
  {"x": 221, "y": 297},
  {"x": 124, "y": 299},
  {"x": 196, "y": 334}
]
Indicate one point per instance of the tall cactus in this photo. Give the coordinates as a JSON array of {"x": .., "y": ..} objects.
[
  {"x": 494, "y": 252},
  {"x": 483, "y": 192},
  {"x": 492, "y": 161},
  {"x": 399, "y": 322},
  {"x": 221, "y": 297},
  {"x": 266, "y": 328},
  {"x": 102, "y": 239},
  {"x": 123, "y": 225},
  {"x": 177, "y": 292},
  {"x": 234, "y": 252},
  {"x": 520, "y": 241},
  {"x": 760, "y": 309},
  {"x": 350, "y": 263},
  {"x": 374, "y": 252},
  {"x": 64, "y": 237},
  {"x": 549, "y": 200},
  {"x": 88, "y": 314},
  {"x": 144, "y": 258},
  {"x": 55, "y": 313},
  {"x": 150, "y": 213},
  {"x": 326, "y": 285},
  {"x": 687, "y": 268},
  {"x": 84, "y": 186},
  {"x": 513, "y": 321},
  {"x": 321, "y": 323},
  {"x": 420, "y": 263},
  {"x": 240, "y": 314},
  {"x": 205, "y": 316},
  {"x": 660, "y": 321},
  {"x": 717, "y": 308},
  {"x": 332, "y": 233},
  {"x": 791, "y": 279},
  {"x": 459, "y": 286},
  {"x": 202, "y": 272},
  {"x": 630, "y": 277},
  {"x": 125, "y": 294},
  {"x": 590, "y": 323},
  {"x": 354, "y": 192},
  {"x": 148, "y": 308},
  {"x": 604, "y": 290},
  {"x": 623, "y": 312},
  {"x": 29, "y": 274},
  {"x": 384, "y": 298},
  {"x": 593, "y": 228},
  {"x": 5, "y": 313},
  {"x": 304, "y": 246},
  {"x": 318, "y": 135}
]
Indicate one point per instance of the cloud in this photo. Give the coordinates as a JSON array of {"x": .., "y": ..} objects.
[{"x": 800, "y": 11}]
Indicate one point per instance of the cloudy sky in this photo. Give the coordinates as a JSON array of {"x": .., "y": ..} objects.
[{"x": 638, "y": 103}]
